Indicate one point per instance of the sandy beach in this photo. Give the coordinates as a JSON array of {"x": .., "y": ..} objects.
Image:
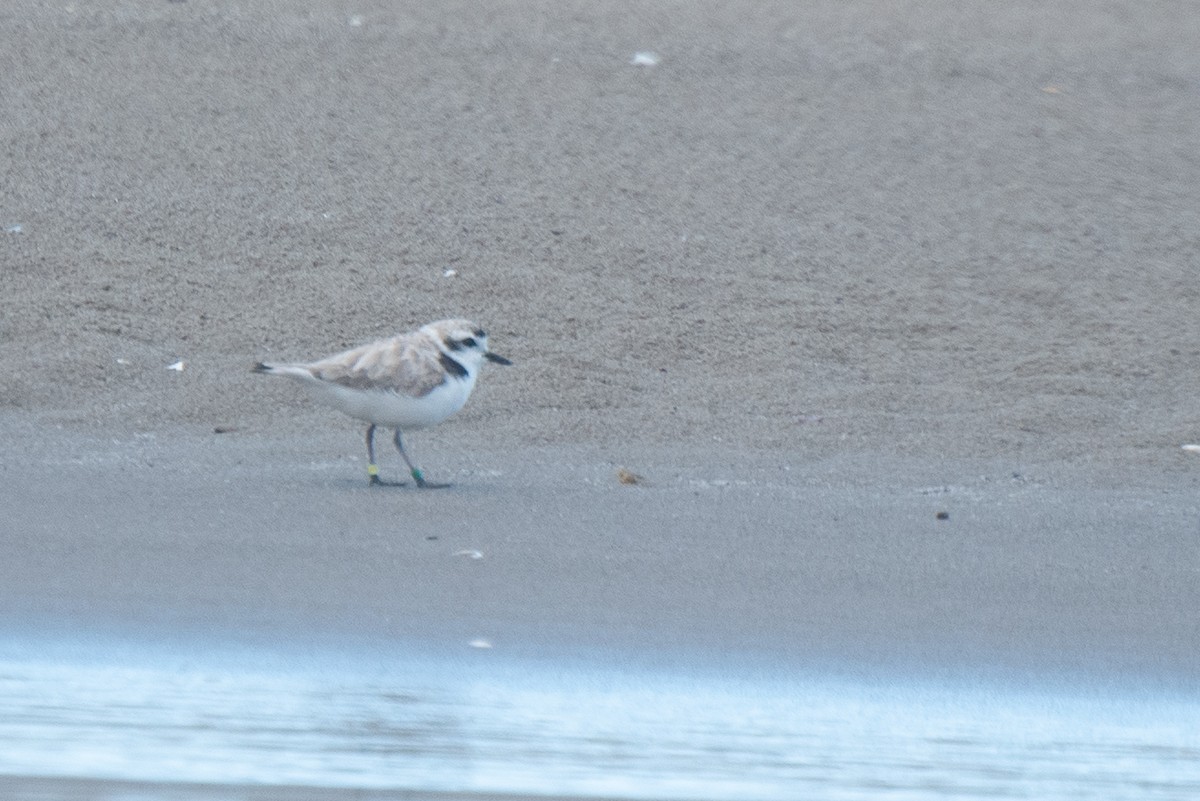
[{"x": 816, "y": 272}]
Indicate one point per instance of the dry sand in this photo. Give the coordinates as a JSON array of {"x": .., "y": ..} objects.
[{"x": 824, "y": 271}]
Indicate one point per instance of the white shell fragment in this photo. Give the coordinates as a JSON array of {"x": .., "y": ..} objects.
[
  {"x": 469, "y": 554},
  {"x": 645, "y": 59},
  {"x": 479, "y": 642},
  {"x": 1190, "y": 448},
  {"x": 177, "y": 366}
]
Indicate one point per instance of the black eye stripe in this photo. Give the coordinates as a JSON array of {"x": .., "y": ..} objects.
[{"x": 459, "y": 344}]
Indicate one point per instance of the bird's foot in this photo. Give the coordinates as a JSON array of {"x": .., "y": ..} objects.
[
  {"x": 376, "y": 481},
  {"x": 419, "y": 477},
  {"x": 373, "y": 479}
]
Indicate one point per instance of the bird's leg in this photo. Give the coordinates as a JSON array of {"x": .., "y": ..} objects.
[
  {"x": 417, "y": 475},
  {"x": 373, "y": 479}
]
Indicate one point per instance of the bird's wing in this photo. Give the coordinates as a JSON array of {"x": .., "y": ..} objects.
[{"x": 404, "y": 364}]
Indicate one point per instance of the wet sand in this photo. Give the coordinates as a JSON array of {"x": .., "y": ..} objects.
[
  {"x": 818, "y": 275},
  {"x": 80, "y": 790},
  {"x": 90, "y": 790},
  {"x": 758, "y": 562}
]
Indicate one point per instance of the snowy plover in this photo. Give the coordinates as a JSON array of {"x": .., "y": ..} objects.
[{"x": 413, "y": 380}]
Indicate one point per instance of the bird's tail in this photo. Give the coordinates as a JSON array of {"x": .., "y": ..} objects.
[{"x": 297, "y": 371}]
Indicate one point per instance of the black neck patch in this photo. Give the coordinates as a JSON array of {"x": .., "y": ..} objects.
[{"x": 452, "y": 367}]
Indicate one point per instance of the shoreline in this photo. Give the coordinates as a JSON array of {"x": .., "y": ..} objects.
[
  {"x": 504, "y": 728},
  {"x": 93, "y": 789}
]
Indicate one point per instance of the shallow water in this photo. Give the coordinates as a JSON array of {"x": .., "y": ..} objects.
[{"x": 486, "y": 723}]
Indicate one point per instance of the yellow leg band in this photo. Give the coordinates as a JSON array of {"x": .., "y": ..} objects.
[{"x": 372, "y": 470}]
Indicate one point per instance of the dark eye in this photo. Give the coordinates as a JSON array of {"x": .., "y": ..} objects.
[
  {"x": 480, "y": 333},
  {"x": 469, "y": 342}
]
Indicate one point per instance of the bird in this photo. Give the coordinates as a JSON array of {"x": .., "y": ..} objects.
[{"x": 410, "y": 381}]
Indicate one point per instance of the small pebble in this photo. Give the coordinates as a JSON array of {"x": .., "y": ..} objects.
[{"x": 628, "y": 477}]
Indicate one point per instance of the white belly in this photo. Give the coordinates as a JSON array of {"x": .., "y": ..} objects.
[{"x": 394, "y": 409}]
